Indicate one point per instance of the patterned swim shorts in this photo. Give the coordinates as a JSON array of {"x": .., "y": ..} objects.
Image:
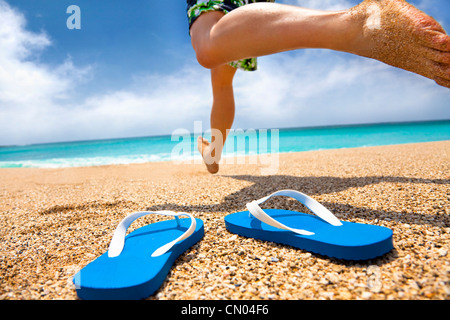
[{"x": 197, "y": 7}]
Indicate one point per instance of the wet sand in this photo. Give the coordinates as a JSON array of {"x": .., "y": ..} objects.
[{"x": 54, "y": 221}]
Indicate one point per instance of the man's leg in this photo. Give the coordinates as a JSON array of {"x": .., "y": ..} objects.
[
  {"x": 391, "y": 31},
  {"x": 222, "y": 115}
]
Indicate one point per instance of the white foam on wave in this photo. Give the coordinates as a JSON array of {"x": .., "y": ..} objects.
[{"x": 86, "y": 162}]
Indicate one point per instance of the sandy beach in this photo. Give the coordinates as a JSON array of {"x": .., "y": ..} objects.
[{"x": 55, "y": 221}]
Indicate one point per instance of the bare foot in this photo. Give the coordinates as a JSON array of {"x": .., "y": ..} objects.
[
  {"x": 400, "y": 35},
  {"x": 203, "y": 147}
]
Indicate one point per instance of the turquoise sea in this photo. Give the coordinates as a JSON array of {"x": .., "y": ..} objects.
[{"x": 241, "y": 142}]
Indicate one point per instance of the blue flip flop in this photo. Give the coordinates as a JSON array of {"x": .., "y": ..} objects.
[
  {"x": 135, "y": 266},
  {"x": 323, "y": 234}
]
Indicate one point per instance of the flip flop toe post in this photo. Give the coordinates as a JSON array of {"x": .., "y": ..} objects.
[
  {"x": 135, "y": 266},
  {"x": 322, "y": 234}
]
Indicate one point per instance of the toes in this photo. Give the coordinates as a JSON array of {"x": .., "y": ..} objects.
[
  {"x": 443, "y": 42},
  {"x": 437, "y": 55},
  {"x": 214, "y": 168},
  {"x": 442, "y": 82},
  {"x": 437, "y": 40},
  {"x": 442, "y": 70},
  {"x": 443, "y": 58}
]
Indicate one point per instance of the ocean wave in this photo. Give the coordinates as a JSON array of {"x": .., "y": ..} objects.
[{"x": 86, "y": 162}]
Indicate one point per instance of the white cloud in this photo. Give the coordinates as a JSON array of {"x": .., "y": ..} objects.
[
  {"x": 21, "y": 79},
  {"x": 28, "y": 90},
  {"x": 16, "y": 42},
  {"x": 152, "y": 105}
]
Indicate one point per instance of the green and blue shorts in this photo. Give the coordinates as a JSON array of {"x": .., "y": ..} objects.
[{"x": 196, "y": 7}]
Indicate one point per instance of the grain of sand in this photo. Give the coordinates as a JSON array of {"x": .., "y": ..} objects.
[{"x": 54, "y": 221}]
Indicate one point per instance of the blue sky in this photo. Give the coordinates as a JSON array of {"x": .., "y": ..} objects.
[{"x": 131, "y": 71}]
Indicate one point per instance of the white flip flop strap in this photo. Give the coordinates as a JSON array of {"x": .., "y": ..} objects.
[
  {"x": 118, "y": 239},
  {"x": 318, "y": 209}
]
